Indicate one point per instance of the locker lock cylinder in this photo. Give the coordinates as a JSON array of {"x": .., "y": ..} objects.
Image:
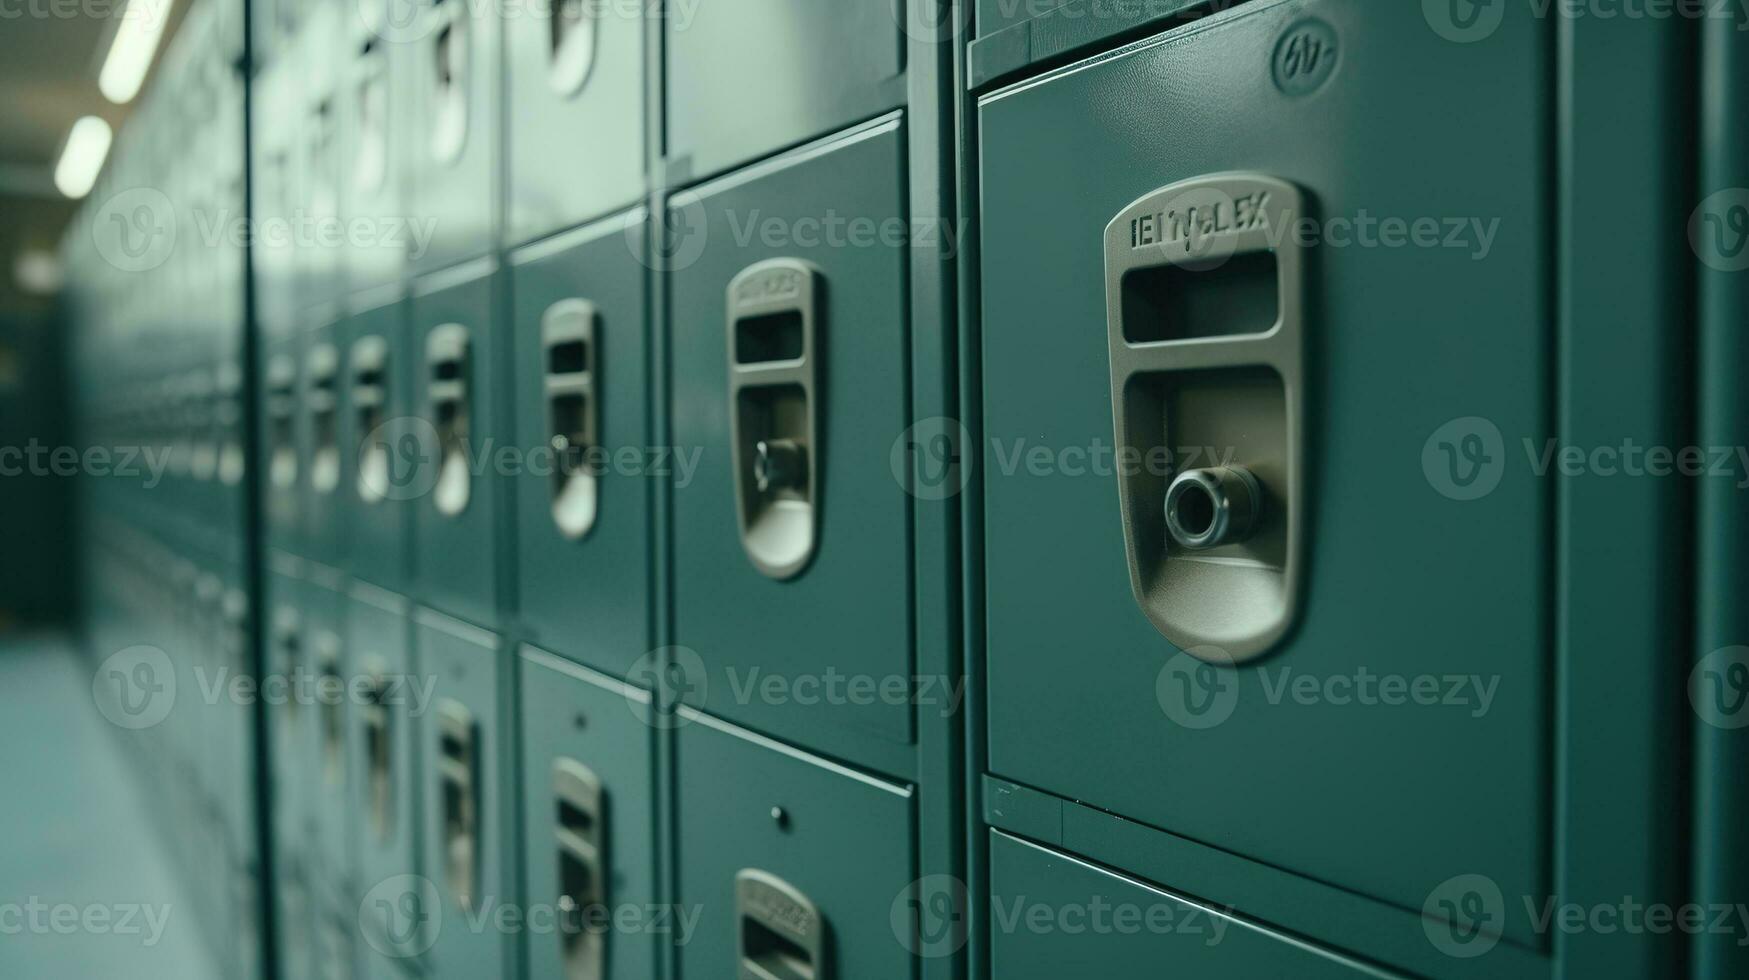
[
  {"x": 1208, "y": 508},
  {"x": 779, "y": 464}
]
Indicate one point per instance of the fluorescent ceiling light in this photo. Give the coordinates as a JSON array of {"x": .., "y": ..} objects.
[
  {"x": 82, "y": 157},
  {"x": 130, "y": 54}
]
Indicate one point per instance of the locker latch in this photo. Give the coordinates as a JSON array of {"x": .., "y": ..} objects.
[
  {"x": 568, "y": 340},
  {"x": 1205, "y": 306},
  {"x": 450, "y": 81},
  {"x": 282, "y": 399},
  {"x": 582, "y": 867},
  {"x": 228, "y": 419},
  {"x": 781, "y": 934},
  {"x": 323, "y": 373},
  {"x": 288, "y": 647},
  {"x": 446, "y": 355},
  {"x": 371, "y": 163},
  {"x": 572, "y": 52},
  {"x": 328, "y": 672},
  {"x": 458, "y": 769},
  {"x": 203, "y": 434},
  {"x": 773, "y": 339},
  {"x": 378, "y": 732},
  {"x": 370, "y": 402}
]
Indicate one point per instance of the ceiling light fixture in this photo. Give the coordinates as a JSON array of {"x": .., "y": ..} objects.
[
  {"x": 82, "y": 156},
  {"x": 130, "y": 53}
]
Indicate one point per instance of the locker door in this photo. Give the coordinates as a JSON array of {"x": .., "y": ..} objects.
[{"x": 1355, "y": 687}]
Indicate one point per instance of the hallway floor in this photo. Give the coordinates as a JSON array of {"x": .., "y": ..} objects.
[{"x": 86, "y": 889}]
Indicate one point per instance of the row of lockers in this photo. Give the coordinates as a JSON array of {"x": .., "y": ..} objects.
[
  {"x": 630, "y": 423},
  {"x": 460, "y": 768},
  {"x": 470, "y": 463},
  {"x": 473, "y": 450},
  {"x": 410, "y": 137}
]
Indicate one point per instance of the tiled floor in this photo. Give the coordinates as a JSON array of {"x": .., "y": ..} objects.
[{"x": 86, "y": 890}]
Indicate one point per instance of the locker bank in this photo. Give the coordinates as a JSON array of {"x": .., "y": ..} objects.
[{"x": 875, "y": 489}]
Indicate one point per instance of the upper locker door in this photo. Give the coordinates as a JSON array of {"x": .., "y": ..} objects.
[{"x": 1356, "y": 311}]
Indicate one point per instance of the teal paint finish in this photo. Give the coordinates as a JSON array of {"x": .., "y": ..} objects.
[
  {"x": 846, "y": 614},
  {"x": 294, "y": 920},
  {"x": 453, "y": 551},
  {"x": 376, "y": 966},
  {"x": 586, "y": 598},
  {"x": 1628, "y": 602},
  {"x": 453, "y": 153},
  {"x": 1721, "y": 801},
  {"x": 323, "y": 700},
  {"x": 840, "y": 838},
  {"x": 281, "y": 456},
  {"x": 1334, "y": 918},
  {"x": 290, "y": 730},
  {"x": 465, "y": 664},
  {"x": 575, "y": 115},
  {"x": 1017, "y": 35},
  {"x": 1052, "y": 915},
  {"x": 321, "y": 401},
  {"x": 291, "y": 726},
  {"x": 378, "y": 522},
  {"x": 996, "y": 15},
  {"x": 336, "y": 949},
  {"x": 319, "y": 54},
  {"x": 386, "y": 785},
  {"x": 1082, "y": 690},
  {"x": 375, "y": 145},
  {"x": 745, "y": 80},
  {"x": 586, "y": 718},
  {"x": 276, "y": 168}
]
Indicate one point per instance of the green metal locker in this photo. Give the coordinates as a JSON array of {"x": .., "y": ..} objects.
[
  {"x": 587, "y": 847},
  {"x": 590, "y": 468},
  {"x": 792, "y": 578}
]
